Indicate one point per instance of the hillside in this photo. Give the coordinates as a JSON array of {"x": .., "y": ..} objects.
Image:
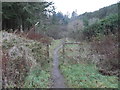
[{"x": 101, "y": 13}]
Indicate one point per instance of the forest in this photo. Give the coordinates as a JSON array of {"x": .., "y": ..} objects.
[{"x": 42, "y": 48}]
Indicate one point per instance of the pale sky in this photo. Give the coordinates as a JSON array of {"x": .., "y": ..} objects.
[{"x": 81, "y": 6}]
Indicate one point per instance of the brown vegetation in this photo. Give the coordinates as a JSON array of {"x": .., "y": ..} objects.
[
  {"x": 108, "y": 48},
  {"x": 34, "y": 36},
  {"x": 19, "y": 56}
]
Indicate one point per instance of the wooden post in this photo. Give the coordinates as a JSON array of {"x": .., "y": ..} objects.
[
  {"x": 64, "y": 50},
  {"x": 79, "y": 48},
  {"x": 48, "y": 50}
]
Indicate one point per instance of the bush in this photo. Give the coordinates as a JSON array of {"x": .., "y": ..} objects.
[
  {"x": 19, "y": 57},
  {"x": 104, "y": 26},
  {"x": 107, "y": 47}
]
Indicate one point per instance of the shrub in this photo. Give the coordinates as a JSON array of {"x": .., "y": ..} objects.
[
  {"x": 104, "y": 26},
  {"x": 107, "y": 47}
]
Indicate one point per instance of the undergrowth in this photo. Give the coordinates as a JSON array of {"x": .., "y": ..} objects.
[{"x": 24, "y": 63}]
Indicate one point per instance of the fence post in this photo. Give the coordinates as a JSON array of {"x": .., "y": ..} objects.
[
  {"x": 48, "y": 50},
  {"x": 79, "y": 48},
  {"x": 64, "y": 50}
]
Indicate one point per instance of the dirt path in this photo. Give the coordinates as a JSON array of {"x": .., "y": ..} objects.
[{"x": 58, "y": 79}]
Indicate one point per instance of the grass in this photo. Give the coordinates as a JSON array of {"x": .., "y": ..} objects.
[
  {"x": 86, "y": 76},
  {"x": 82, "y": 74},
  {"x": 54, "y": 44},
  {"x": 75, "y": 52},
  {"x": 71, "y": 50},
  {"x": 37, "y": 78}
]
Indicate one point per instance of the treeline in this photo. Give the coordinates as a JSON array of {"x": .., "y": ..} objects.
[
  {"x": 101, "y": 13},
  {"x": 16, "y": 15},
  {"x": 59, "y": 18},
  {"x": 24, "y": 15}
]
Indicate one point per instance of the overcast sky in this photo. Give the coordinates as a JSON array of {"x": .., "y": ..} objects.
[{"x": 81, "y": 5}]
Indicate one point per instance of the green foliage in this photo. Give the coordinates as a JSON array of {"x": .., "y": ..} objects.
[
  {"x": 85, "y": 22},
  {"x": 54, "y": 44},
  {"x": 101, "y": 13},
  {"x": 38, "y": 52},
  {"x": 26, "y": 14},
  {"x": 59, "y": 18},
  {"x": 86, "y": 76},
  {"x": 104, "y": 26},
  {"x": 37, "y": 78}
]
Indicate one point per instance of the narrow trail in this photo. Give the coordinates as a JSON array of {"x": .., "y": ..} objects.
[{"x": 58, "y": 79}]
